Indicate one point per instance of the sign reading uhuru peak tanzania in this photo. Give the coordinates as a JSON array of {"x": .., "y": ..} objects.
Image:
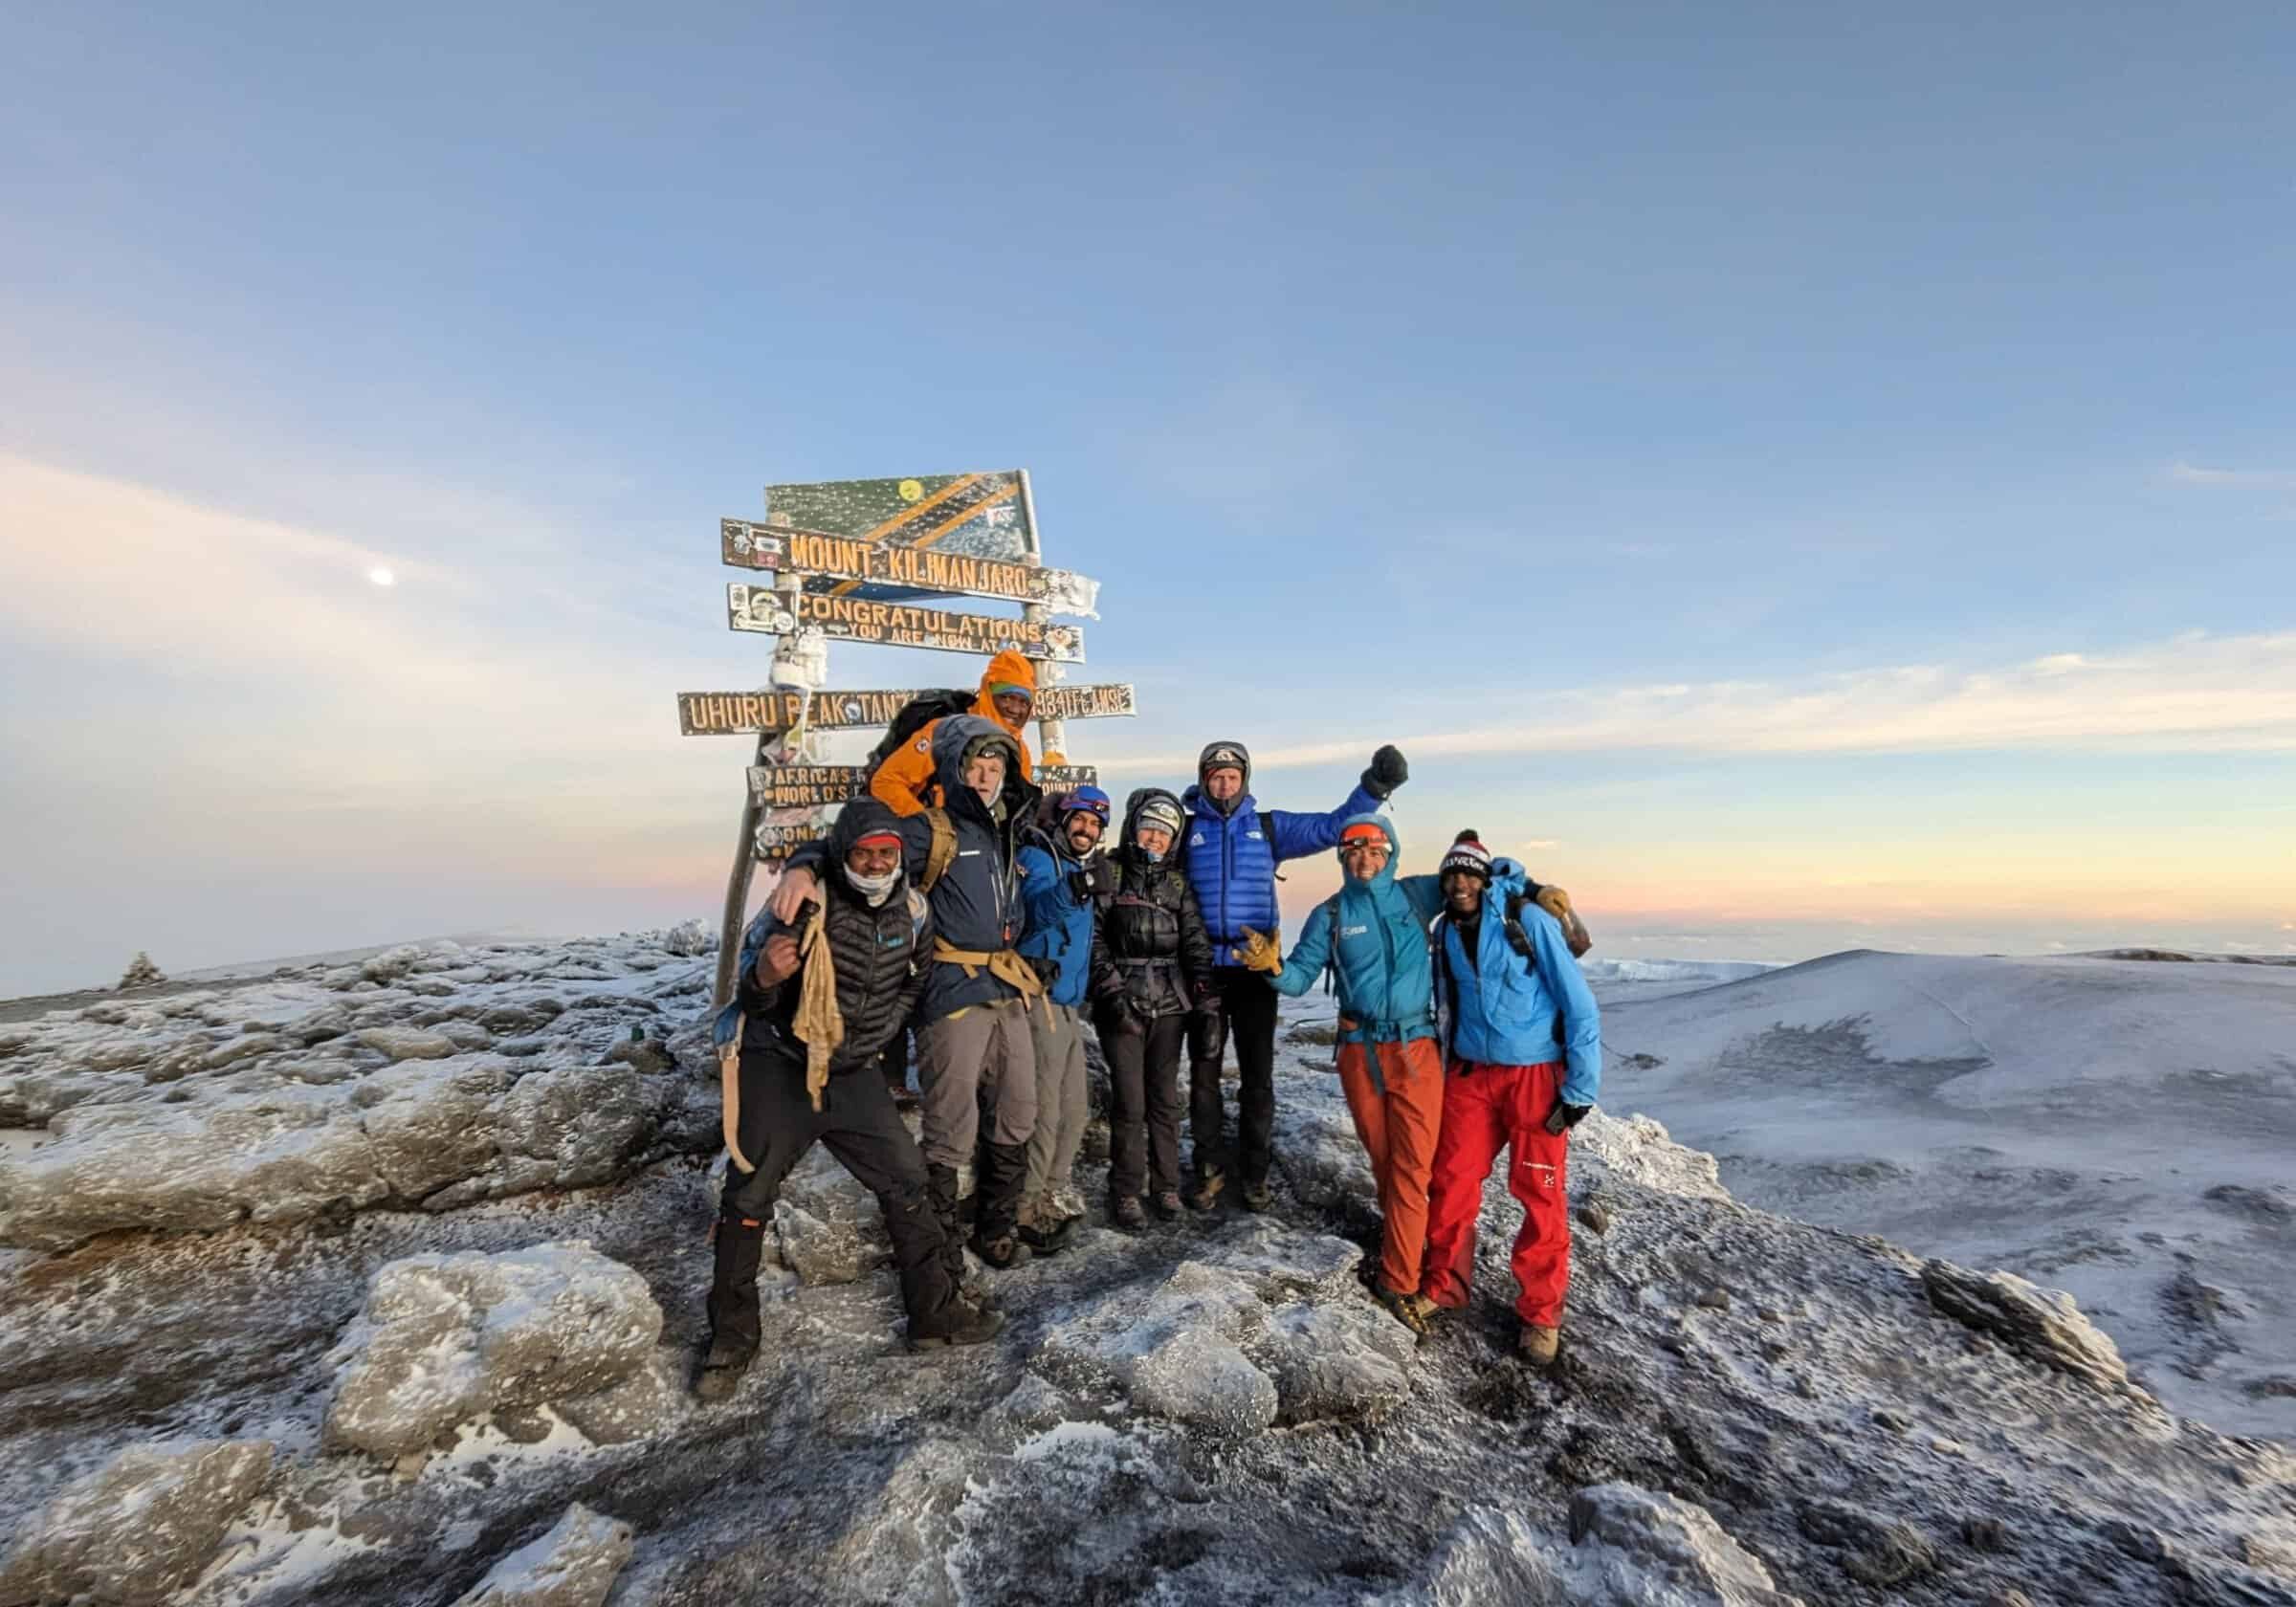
[
  {"x": 985, "y": 515},
  {"x": 828, "y": 560},
  {"x": 743, "y": 713},
  {"x": 779, "y": 613}
]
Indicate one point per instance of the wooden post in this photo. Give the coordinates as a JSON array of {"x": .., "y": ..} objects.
[
  {"x": 1052, "y": 734},
  {"x": 737, "y": 892}
]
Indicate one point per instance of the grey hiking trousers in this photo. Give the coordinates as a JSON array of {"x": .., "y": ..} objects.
[
  {"x": 1060, "y": 1108},
  {"x": 977, "y": 1061}
]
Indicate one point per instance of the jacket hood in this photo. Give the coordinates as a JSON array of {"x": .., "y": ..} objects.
[
  {"x": 1196, "y": 802},
  {"x": 854, "y": 821},
  {"x": 1139, "y": 799},
  {"x": 955, "y": 734},
  {"x": 1395, "y": 849},
  {"x": 1007, "y": 668}
]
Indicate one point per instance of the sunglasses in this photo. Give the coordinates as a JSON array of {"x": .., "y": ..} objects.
[{"x": 1365, "y": 845}]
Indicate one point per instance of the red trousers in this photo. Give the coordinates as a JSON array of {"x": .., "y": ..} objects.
[
  {"x": 1486, "y": 1109},
  {"x": 1397, "y": 1101}
]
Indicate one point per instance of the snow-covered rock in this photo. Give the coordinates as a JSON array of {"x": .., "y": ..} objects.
[
  {"x": 1798, "y": 1385},
  {"x": 690, "y": 938},
  {"x": 445, "y": 1337},
  {"x": 137, "y": 1528},
  {"x": 2044, "y": 1324},
  {"x": 1643, "y": 1546},
  {"x": 574, "y": 1565},
  {"x": 443, "y": 1132},
  {"x": 406, "y": 1043}
]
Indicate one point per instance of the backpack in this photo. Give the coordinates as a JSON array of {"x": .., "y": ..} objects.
[
  {"x": 916, "y": 715},
  {"x": 939, "y": 851},
  {"x": 1574, "y": 930}
]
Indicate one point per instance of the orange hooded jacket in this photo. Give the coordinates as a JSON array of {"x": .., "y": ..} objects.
[{"x": 904, "y": 783}]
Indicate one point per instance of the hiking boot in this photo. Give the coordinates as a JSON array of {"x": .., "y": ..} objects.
[
  {"x": 1258, "y": 1196},
  {"x": 1206, "y": 1191},
  {"x": 720, "y": 1374},
  {"x": 1124, "y": 1211},
  {"x": 1049, "y": 1241},
  {"x": 960, "y": 1322},
  {"x": 1404, "y": 1308},
  {"x": 1539, "y": 1346},
  {"x": 1004, "y": 1252},
  {"x": 1166, "y": 1205}
]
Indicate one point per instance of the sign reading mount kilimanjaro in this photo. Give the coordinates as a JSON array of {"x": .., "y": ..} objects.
[
  {"x": 743, "y": 714},
  {"x": 776, "y": 613},
  {"x": 827, "y": 562}
]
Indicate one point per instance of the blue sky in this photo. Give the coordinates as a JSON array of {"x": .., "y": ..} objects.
[{"x": 1830, "y": 475}]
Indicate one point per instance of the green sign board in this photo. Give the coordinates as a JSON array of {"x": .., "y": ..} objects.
[{"x": 986, "y": 516}]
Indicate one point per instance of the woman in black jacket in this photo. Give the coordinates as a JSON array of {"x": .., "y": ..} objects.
[{"x": 1152, "y": 961}]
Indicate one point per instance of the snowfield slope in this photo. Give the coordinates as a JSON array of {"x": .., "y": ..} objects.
[
  {"x": 2125, "y": 1130},
  {"x": 379, "y": 1282}
]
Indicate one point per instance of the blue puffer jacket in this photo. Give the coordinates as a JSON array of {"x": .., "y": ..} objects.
[
  {"x": 1060, "y": 924},
  {"x": 1385, "y": 971},
  {"x": 1231, "y": 862},
  {"x": 1505, "y": 1005}
]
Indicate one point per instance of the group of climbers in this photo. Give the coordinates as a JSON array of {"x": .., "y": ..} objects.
[{"x": 956, "y": 901}]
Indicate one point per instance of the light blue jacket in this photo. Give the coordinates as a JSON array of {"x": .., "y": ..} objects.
[
  {"x": 1506, "y": 1004},
  {"x": 1373, "y": 935},
  {"x": 1060, "y": 924}
]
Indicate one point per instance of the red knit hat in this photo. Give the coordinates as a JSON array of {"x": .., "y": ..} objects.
[{"x": 1469, "y": 854}]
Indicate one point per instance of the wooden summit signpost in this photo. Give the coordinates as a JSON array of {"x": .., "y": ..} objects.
[
  {"x": 769, "y": 713},
  {"x": 845, "y": 558}
]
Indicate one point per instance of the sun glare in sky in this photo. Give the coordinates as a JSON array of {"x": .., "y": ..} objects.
[{"x": 382, "y": 576}]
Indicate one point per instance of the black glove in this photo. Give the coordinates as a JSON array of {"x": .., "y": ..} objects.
[
  {"x": 1387, "y": 772},
  {"x": 1563, "y": 1117},
  {"x": 1046, "y": 967},
  {"x": 1098, "y": 879},
  {"x": 1118, "y": 1016},
  {"x": 1208, "y": 1003}
]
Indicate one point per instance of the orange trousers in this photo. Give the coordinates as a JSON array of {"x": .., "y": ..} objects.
[{"x": 1395, "y": 1092}]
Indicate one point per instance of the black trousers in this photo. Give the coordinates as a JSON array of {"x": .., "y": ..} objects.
[
  {"x": 1248, "y": 1015},
  {"x": 1143, "y": 1106},
  {"x": 859, "y": 1126}
]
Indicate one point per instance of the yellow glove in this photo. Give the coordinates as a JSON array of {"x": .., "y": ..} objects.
[
  {"x": 1556, "y": 903},
  {"x": 1261, "y": 952}
]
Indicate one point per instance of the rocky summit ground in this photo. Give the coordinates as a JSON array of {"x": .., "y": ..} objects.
[{"x": 380, "y": 1282}]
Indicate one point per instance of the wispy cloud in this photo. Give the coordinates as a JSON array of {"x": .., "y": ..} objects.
[
  {"x": 2232, "y": 479},
  {"x": 2192, "y": 693}
]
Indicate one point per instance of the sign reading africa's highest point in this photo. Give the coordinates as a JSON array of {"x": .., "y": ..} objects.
[
  {"x": 765, "y": 611},
  {"x": 798, "y": 787}
]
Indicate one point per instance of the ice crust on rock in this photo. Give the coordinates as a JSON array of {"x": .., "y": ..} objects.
[
  {"x": 1643, "y": 1546},
  {"x": 140, "y": 1527},
  {"x": 1042, "y": 1467},
  {"x": 284, "y": 1151},
  {"x": 446, "y": 1338},
  {"x": 2043, "y": 1323},
  {"x": 574, "y": 1565},
  {"x": 690, "y": 938}
]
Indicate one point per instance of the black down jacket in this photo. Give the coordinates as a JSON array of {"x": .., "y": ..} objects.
[
  {"x": 881, "y": 956},
  {"x": 1150, "y": 946}
]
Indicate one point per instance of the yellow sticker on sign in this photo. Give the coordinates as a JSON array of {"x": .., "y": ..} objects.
[{"x": 911, "y": 491}]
